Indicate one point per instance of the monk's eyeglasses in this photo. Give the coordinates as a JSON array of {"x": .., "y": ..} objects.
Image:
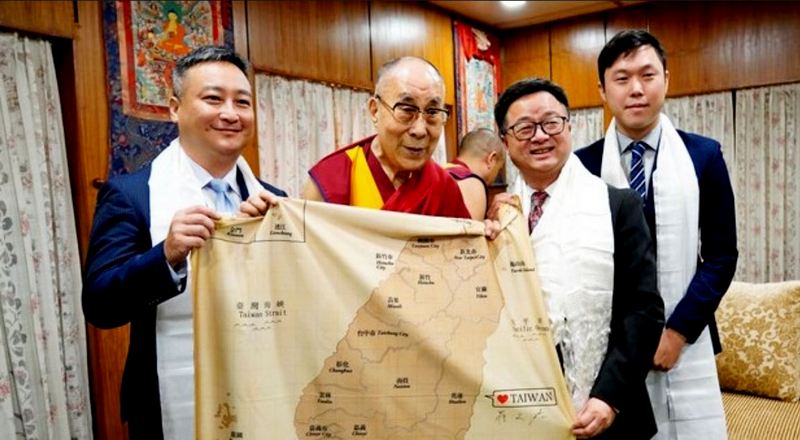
[{"x": 407, "y": 113}]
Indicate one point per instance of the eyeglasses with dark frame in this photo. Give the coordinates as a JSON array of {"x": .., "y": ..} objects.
[
  {"x": 526, "y": 130},
  {"x": 407, "y": 113}
]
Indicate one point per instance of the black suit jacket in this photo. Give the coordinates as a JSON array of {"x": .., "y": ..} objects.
[
  {"x": 637, "y": 319},
  {"x": 126, "y": 278},
  {"x": 718, "y": 253}
]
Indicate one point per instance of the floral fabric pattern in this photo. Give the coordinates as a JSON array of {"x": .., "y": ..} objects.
[
  {"x": 759, "y": 325},
  {"x": 587, "y": 126},
  {"x": 767, "y": 183},
  {"x": 43, "y": 371},
  {"x": 761, "y": 144}
]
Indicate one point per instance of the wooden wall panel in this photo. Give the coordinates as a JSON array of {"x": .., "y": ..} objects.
[
  {"x": 698, "y": 46},
  {"x": 574, "y": 47},
  {"x": 90, "y": 155},
  {"x": 250, "y": 152},
  {"x": 722, "y": 46},
  {"x": 711, "y": 46},
  {"x": 766, "y": 36},
  {"x": 408, "y": 28},
  {"x": 89, "y": 161},
  {"x": 626, "y": 18},
  {"x": 239, "y": 12},
  {"x": 321, "y": 40},
  {"x": 525, "y": 54},
  {"x": 53, "y": 17}
]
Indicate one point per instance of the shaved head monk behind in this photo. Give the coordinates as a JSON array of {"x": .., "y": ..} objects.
[{"x": 481, "y": 155}]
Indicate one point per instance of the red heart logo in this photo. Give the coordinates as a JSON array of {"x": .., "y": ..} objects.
[{"x": 502, "y": 398}]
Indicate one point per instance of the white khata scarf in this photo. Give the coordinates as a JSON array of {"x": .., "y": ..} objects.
[
  {"x": 676, "y": 198},
  {"x": 174, "y": 186},
  {"x": 574, "y": 248},
  {"x": 686, "y": 400}
]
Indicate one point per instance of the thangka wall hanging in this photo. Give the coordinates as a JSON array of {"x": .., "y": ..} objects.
[
  {"x": 152, "y": 36},
  {"x": 144, "y": 39},
  {"x": 477, "y": 77}
]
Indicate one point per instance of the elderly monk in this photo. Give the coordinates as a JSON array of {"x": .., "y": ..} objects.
[{"x": 391, "y": 170}]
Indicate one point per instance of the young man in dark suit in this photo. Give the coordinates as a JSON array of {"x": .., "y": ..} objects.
[
  {"x": 147, "y": 223},
  {"x": 595, "y": 261},
  {"x": 684, "y": 184}
]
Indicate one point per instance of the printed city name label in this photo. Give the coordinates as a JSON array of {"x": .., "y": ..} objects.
[
  {"x": 523, "y": 397},
  {"x": 235, "y": 231}
]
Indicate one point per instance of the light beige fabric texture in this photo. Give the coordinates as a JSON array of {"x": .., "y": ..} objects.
[
  {"x": 325, "y": 321},
  {"x": 759, "y": 328},
  {"x": 758, "y": 418}
]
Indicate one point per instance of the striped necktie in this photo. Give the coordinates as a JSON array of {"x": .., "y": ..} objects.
[
  {"x": 224, "y": 203},
  {"x": 637, "y": 168}
]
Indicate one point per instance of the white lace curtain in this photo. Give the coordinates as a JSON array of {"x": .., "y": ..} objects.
[
  {"x": 299, "y": 122},
  {"x": 761, "y": 145},
  {"x": 767, "y": 182},
  {"x": 587, "y": 126},
  {"x": 709, "y": 115},
  {"x": 43, "y": 371}
]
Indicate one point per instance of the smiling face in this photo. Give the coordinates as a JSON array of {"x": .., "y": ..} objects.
[
  {"x": 541, "y": 158},
  {"x": 214, "y": 114},
  {"x": 635, "y": 89},
  {"x": 404, "y": 147}
]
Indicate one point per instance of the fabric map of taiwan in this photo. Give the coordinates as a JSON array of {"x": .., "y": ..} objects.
[{"x": 326, "y": 321}]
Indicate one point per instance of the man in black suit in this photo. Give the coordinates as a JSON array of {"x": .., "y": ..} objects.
[
  {"x": 145, "y": 226},
  {"x": 595, "y": 261}
]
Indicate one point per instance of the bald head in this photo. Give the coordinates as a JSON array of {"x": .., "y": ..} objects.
[
  {"x": 409, "y": 114},
  {"x": 480, "y": 142},
  {"x": 484, "y": 152},
  {"x": 405, "y": 66}
]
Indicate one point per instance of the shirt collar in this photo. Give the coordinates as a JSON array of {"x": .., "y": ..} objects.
[
  {"x": 651, "y": 139},
  {"x": 204, "y": 177},
  {"x": 527, "y": 191}
]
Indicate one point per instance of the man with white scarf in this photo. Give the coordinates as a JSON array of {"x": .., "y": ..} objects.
[
  {"x": 595, "y": 260},
  {"x": 689, "y": 207},
  {"x": 146, "y": 224}
]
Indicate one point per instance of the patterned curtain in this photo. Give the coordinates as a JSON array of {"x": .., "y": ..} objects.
[
  {"x": 43, "y": 371},
  {"x": 709, "y": 115},
  {"x": 767, "y": 180},
  {"x": 299, "y": 122},
  {"x": 440, "y": 153},
  {"x": 761, "y": 144},
  {"x": 587, "y": 126},
  {"x": 351, "y": 117}
]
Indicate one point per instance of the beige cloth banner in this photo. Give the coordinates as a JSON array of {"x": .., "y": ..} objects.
[{"x": 327, "y": 321}]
